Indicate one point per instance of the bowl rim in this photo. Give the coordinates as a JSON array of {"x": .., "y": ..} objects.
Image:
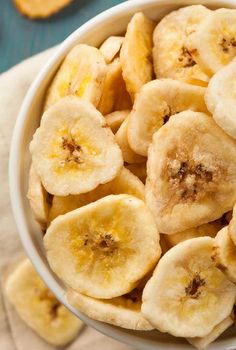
[{"x": 14, "y": 171}]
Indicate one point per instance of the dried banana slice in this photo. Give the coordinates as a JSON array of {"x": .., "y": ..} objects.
[
  {"x": 210, "y": 229},
  {"x": 202, "y": 343},
  {"x": 224, "y": 254},
  {"x": 39, "y": 308},
  {"x": 171, "y": 57},
  {"x": 157, "y": 101},
  {"x": 139, "y": 169},
  {"x": 39, "y": 199},
  {"x": 191, "y": 172},
  {"x": 122, "y": 139},
  {"x": 110, "y": 48},
  {"x": 115, "y": 119},
  {"x": 123, "y": 311},
  {"x": 82, "y": 73},
  {"x": 213, "y": 44},
  {"x": 40, "y": 9},
  {"x": 124, "y": 183},
  {"x": 73, "y": 150},
  {"x": 220, "y": 98},
  {"x": 187, "y": 295},
  {"x": 114, "y": 94},
  {"x": 103, "y": 244},
  {"x": 136, "y": 53}
]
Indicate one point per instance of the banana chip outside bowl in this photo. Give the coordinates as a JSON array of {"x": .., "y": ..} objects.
[{"x": 94, "y": 32}]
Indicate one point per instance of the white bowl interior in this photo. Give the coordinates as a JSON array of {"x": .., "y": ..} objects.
[{"x": 110, "y": 22}]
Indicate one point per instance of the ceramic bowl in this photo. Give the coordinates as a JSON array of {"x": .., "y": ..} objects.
[{"x": 110, "y": 22}]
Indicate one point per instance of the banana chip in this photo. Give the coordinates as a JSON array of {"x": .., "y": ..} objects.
[
  {"x": 187, "y": 296},
  {"x": 110, "y": 48},
  {"x": 39, "y": 308},
  {"x": 210, "y": 229},
  {"x": 220, "y": 98},
  {"x": 125, "y": 183},
  {"x": 136, "y": 53},
  {"x": 123, "y": 311},
  {"x": 122, "y": 139},
  {"x": 224, "y": 254},
  {"x": 213, "y": 44},
  {"x": 40, "y": 9},
  {"x": 191, "y": 172},
  {"x": 73, "y": 150},
  {"x": 115, "y": 119},
  {"x": 39, "y": 199},
  {"x": 114, "y": 94},
  {"x": 157, "y": 101},
  {"x": 103, "y": 244},
  {"x": 171, "y": 57},
  {"x": 202, "y": 343},
  {"x": 82, "y": 73}
]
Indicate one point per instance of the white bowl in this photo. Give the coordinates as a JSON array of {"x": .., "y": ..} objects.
[{"x": 110, "y": 22}]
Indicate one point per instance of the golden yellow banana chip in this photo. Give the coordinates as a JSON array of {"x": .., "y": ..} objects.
[
  {"x": 82, "y": 73},
  {"x": 103, "y": 244},
  {"x": 114, "y": 94},
  {"x": 39, "y": 308},
  {"x": 171, "y": 57},
  {"x": 40, "y": 8},
  {"x": 136, "y": 53},
  {"x": 74, "y": 150}
]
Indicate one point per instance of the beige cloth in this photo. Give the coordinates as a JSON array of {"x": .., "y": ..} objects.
[{"x": 14, "y": 334}]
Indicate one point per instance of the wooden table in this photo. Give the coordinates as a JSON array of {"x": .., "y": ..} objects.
[{"x": 21, "y": 37}]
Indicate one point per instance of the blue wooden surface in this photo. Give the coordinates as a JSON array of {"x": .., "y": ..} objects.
[{"x": 21, "y": 37}]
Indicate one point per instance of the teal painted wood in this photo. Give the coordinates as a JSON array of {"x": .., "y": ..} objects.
[{"x": 21, "y": 37}]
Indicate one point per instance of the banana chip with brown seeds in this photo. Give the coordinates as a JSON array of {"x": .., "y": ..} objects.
[
  {"x": 187, "y": 296},
  {"x": 103, "y": 244},
  {"x": 39, "y": 308},
  {"x": 213, "y": 44},
  {"x": 191, "y": 172},
  {"x": 74, "y": 150},
  {"x": 156, "y": 102},
  {"x": 171, "y": 57}
]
